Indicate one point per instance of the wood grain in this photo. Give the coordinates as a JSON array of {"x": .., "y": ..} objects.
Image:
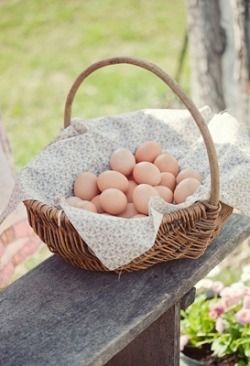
[
  {"x": 188, "y": 298},
  {"x": 59, "y": 315},
  {"x": 158, "y": 345}
]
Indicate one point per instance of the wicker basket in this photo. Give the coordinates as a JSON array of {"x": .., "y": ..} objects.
[{"x": 185, "y": 233}]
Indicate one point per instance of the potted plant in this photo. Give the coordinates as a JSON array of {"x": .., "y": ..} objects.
[{"x": 215, "y": 329}]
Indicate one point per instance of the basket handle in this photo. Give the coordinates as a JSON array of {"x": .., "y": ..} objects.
[{"x": 212, "y": 156}]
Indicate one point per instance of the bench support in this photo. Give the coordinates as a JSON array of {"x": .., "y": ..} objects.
[
  {"x": 158, "y": 345},
  {"x": 60, "y": 315}
]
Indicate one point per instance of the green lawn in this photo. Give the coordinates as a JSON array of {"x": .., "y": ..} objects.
[{"x": 45, "y": 44}]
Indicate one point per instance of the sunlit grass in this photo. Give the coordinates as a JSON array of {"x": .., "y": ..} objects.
[{"x": 45, "y": 44}]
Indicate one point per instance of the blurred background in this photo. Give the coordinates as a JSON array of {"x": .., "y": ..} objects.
[{"x": 45, "y": 44}]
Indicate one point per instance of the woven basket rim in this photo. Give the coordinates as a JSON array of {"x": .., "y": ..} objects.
[
  {"x": 59, "y": 215},
  {"x": 38, "y": 205},
  {"x": 55, "y": 229}
]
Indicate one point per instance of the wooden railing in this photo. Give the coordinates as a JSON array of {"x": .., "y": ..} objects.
[{"x": 58, "y": 315}]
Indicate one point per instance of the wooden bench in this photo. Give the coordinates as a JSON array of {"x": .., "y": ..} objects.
[{"x": 58, "y": 315}]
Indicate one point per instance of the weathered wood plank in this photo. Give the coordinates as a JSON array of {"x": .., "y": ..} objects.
[
  {"x": 188, "y": 298},
  {"x": 158, "y": 345},
  {"x": 60, "y": 315}
]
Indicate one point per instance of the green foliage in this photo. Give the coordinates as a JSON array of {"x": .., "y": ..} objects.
[
  {"x": 46, "y": 44},
  {"x": 197, "y": 324},
  {"x": 200, "y": 328}
]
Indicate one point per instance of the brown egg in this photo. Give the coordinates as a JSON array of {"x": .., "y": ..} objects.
[
  {"x": 188, "y": 173},
  {"x": 141, "y": 197},
  {"x": 129, "y": 211},
  {"x": 123, "y": 161},
  {"x": 167, "y": 163},
  {"x": 148, "y": 151},
  {"x": 130, "y": 190},
  {"x": 165, "y": 193},
  {"x": 85, "y": 186},
  {"x": 97, "y": 203},
  {"x": 113, "y": 201},
  {"x": 185, "y": 188},
  {"x": 140, "y": 215},
  {"x": 112, "y": 179},
  {"x": 168, "y": 180},
  {"x": 147, "y": 173}
]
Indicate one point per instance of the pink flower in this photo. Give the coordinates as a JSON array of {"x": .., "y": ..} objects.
[
  {"x": 233, "y": 292},
  {"x": 215, "y": 286},
  {"x": 219, "y": 325},
  {"x": 216, "y": 310},
  {"x": 243, "y": 316},
  {"x": 233, "y": 295},
  {"x": 183, "y": 341},
  {"x": 228, "y": 302},
  {"x": 246, "y": 302}
]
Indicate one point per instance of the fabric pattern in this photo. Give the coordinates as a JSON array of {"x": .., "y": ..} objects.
[{"x": 86, "y": 145}]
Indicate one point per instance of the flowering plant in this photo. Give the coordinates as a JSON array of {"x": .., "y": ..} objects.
[{"x": 219, "y": 321}]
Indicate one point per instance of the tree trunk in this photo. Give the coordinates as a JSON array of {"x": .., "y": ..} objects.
[
  {"x": 219, "y": 34},
  {"x": 206, "y": 63},
  {"x": 241, "y": 17},
  {"x": 219, "y": 45}
]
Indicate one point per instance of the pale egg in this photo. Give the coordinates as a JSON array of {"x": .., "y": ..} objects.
[
  {"x": 147, "y": 173},
  {"x": 113, "y": 201},
  {"x": 148, "y": 151},
  {"x": 130, "y": 190},
  {"x": 112, "y": 179},
  {"x": 123, "y": 161},
  {"x": 188, "y": 173},
  {"x": 165, "y": 193},
  {"x": 85, "y": 186},
  {"x": 141, "y": 197},
  {"x": 168, "y": 180},
  {"x": 167, "y": 163},
  {"x": 78, "y": 203},
  {"x": 185, "y": 188},
  {"x": 74, "y": 201},
  {"x": 88, "y": 206},
  {"x": 129, "y": 211},
  {"x": 97, "y": 203}
]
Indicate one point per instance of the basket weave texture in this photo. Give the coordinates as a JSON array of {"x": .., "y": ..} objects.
[{"x": 185, "y": 233}]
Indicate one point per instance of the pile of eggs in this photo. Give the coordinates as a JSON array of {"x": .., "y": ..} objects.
[{"x": 125, "y": 189}]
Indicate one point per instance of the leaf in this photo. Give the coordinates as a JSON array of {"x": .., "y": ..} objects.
[
  {"x": 219, "y": 347},
  {"x": 247, "y": 352},
  {"x": 241, "y": 363}
]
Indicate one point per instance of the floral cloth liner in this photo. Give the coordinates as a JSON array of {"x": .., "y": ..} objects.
[{"x": 88, "y": 145}]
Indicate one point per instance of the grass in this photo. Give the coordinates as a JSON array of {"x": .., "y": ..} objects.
[
  {"x": 45, "y": 44},
  {"x": 40, "y": 255}
]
